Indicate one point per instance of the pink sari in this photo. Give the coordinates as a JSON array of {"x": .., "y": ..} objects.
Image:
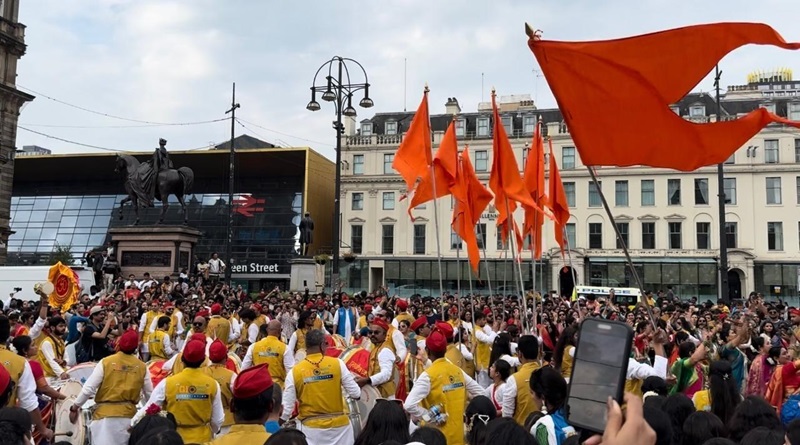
[{"x": 759, "y": 376}]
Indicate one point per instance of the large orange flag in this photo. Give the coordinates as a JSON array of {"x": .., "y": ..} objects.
[
  {"x": 617, "y": 105},
  {"x": 413, "y": 157},
  {"x": 471, "y": 199},
  {"x": 443, "y": 171},
  {"x": 558, "y": 201},
  {"x": 505, "y": 180},
  {"x": 534, "y": 181}
]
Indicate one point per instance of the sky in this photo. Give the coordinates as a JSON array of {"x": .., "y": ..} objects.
[{"x": 174, "y": 61}]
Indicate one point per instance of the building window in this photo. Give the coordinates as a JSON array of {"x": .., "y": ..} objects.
[
  {"x": 771, "y": 151},
  {"x": 701, "y": 191},
  {"x": 569, "y": 190},
  {"x": 674, "y": 192},
  {"x": 648, "y": 235},
  {"x": 797, "y": 179},
  {"x": 595, "y": 235},
  {"x": 508, "y": 124},
  {"x": 461, "y": 127},
  {"x": 731, "y": 159},
  {"x": 797, "y": 150},
  {"x": 358, "y": 164},
  {"x": 773, "y": 190},
  {"x": 455, "y": 240},
  {"x": 731, "y": 238},
  {"x": 388, "y": 200},
  {"x": 419, "y": 239},
  {"x": 794, "y": 111},
  {"x": 356, "y": 238},
  {"x": 500, "y": 239},
  {"x": 567, "y": 158},
  {"x": 729, "y": 186},
  {"x": 648, "y": 192},
  {"x": 387, "y": 239},
  {"x": 623, "y": 233},
  {"x": 703, "y": 235},
  {"x": 358, "y": 201},
  {"x": 366, "y": 129},
  {"x": 388, "y": 160},
  {"x": 483, "y": 127},
  {"x": 481, "y": 161},
  {"x": 391, "y": 127},
  {"x": 775, "y": 235},
  {"x": 675, "y": 235},
  {"x": 621, "y": 194},
  {"x": 480, "y": 232},
  {"x": 594, "y": 194},
  {"x": 697, "y": 110},
  {"x": 529, "y": 124},
  {"x": 570, "y": 229}
]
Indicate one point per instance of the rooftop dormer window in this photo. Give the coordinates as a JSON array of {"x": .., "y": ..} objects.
[
  {"x": 461, "y": 127},
  {"x": 391, "y": 127},
  {"x": 697, "y": 111},
  {"x": 366, "y": 129}
]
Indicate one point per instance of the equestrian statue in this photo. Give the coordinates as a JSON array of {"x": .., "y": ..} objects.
[{"x": 154, "y": 179}]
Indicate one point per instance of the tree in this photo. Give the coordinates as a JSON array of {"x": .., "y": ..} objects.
[{"x": 63, "y": 254}]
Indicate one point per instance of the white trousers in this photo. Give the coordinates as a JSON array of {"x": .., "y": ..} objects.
[
  {"x": 110, "y": 431},
  {"x": 342, "y": 435}
]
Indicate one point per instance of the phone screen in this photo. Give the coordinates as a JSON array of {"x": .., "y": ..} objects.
[{"x": 599, "y": 370}]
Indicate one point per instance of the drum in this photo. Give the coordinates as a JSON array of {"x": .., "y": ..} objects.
[
  {"x": 234, "y": 363},
  {"x": 81, "y": 372},
  {"x": 339, "y": 341},
  {"x": 157, "y": 371},
  {"x": 358, "y": 410},
  {"x": 46, "y": 409},
  {"x": 299, "y": 355},
  {"x": 357, "y": 360},
  {"x": 64, "y": 430}
]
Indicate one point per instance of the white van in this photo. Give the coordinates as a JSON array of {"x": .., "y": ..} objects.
[
  {"x": 622, "y": 295},
  {"x": 24, "y": 277}
]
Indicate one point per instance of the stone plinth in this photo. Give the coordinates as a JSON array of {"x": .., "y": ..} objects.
[
  {"x": 303, "y": 274},
  {"x": 160, "y": 250}
]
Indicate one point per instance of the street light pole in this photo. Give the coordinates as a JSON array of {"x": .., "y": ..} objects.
[
  {"x": 343, "y": 101},
  {"x": 723, "y": 240},
  {"x": 229, "y": 239}
]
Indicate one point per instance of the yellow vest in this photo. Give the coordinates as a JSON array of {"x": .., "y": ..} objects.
[
  {"x": 189, "y": 397},
  {"x": 362, "y": 322},
  {"x": 173, "y": 326},
  {"x": 242, "y": 434},
  {"x": 482, "y": 351},
  {"x": 223, "y": 376},
  {"x": 149, "y": 317},
  {"x": 389, "y": 388},
  {"x": 566, "y": 362},
  {"x": 449, "y": 391},
  {"x": 525, "y": 403},
  {"x": 270, "y": 350},
  {"x": 178, "y": 365},
  {"x": 156, "y": 343},
  {"x": 243, "y": 338},
  {"x": 121, "y": 389},
  {"x": 58, "y": 350},
  {"x": 634, "y": 386},
  {"x": 318, "y": 323},
  {"x": 456, "y": 357},
  {"x": 15, "y": 365},
  {"x": 301, "y": 339},
  {"x": 319, "y": 391},
  {"x": 218, "y": 328}
]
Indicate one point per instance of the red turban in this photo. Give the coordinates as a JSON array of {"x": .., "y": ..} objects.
[
  {"x": 257, "y": 308},
  {"x": 794, "y": 312},
  {"x": 402, "y": 305},
  {"x": 445, "y": 329},
  {"x": 436, "y": 342},
  {"x": 216, "y": 309},
  {"x": 382, "y": 323},
  {"x": 217, "y": 352},
  {"x": 252, "y": 382},
  {"x": 367, "y": 308},
  {"x": 419, "y": 322},
  {"x": 203, "y": 313},
  {"x": 194, "y": 351},
  {"x": 128, "y": 342},
  {"x": 487, "y": 311}
]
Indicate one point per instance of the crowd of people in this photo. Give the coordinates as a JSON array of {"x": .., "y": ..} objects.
[{"x": 193, "y": 360}]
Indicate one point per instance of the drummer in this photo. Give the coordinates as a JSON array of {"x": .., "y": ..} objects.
[
  {"x": 317, "y": 383},
  {"x": 402, "y": 314},
  {"x": 148, "y": 317},
  {"x": 218, "y": 354},
  {"x": 249, "y": 327},
  {"x": 252, "y": 405},
  {"x": 116, "y": 384},
  {"x": 381, "y": 361},
  {"x": 52, "y": 347},
  {"x": 305, "y": 324},
  {"x": 396, "y": 337},
  {"x": 160, "y": 344},
  {"x": 365, "y": 318},
  {"x": 219, "y": 327},
  {"x": 271, "y": 351}
]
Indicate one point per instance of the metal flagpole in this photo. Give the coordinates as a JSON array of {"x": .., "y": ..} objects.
[
  {"x": 485, "y": 261},
  {"x": 510, "y": 222},
  {"x": 436, "y": 224},
  {"x": 458, "y": 300},
  {"x": 621, "y": 241}
]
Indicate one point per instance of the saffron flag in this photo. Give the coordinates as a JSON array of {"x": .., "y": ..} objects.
[
  {"x": 558, "y": 201},
  {"x": 504, "y": 179},
  {"x": 534, "y": 181},
  {"x": 471, "y": 199},
  {"x": 413, "y": 157},
  {"x": 441, "y": 176},
  {"x": 617, "y": 104}
]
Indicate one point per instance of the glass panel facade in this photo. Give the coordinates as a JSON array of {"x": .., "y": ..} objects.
[
  {"x": 768, "y": 276},
  {"x": 687, "y": 278}
]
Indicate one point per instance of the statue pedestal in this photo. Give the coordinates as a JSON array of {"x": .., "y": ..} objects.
[
  {"x": 303, "y": 274},
  {"x": 160, "y": 250}
]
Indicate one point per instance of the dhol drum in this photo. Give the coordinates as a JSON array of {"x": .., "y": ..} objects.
[
  {"x": 81, "y": 372},
  {"x": 339, "y": 341},
  {"x": 357, "y": 360},
  {"x": 157, "y": 371},
  {"x": 65, "y": 431},
  {"x": 358, "y": 410}
]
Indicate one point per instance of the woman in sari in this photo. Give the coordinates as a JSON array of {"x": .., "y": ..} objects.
[
  {"x": 777, "y": 391},
  {"x": 687, "y": 369},
  {"x": 761, "y": 368}
]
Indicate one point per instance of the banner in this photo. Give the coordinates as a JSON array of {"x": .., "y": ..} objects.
[{"x": 66, "y": 287}]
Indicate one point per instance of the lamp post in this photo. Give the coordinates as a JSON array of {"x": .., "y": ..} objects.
[{"x": 339, "y": 88}]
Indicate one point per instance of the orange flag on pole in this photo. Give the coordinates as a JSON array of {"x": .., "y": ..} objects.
[
  {"x": 639, "y": 78},
  {"x": 413, "y": 157},
  {"x": 504, "y": 179},
  {"x": 534, "y": 181},
  {"x": 471, "y": 199},
  {"x": 442, "y": 171},
  {"x": 558, "y": 201}
]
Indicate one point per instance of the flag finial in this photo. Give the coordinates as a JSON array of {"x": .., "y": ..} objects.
[
  {"x": 426, "y": 89},
  {"x": 533, "y": 34},
  {"x": 494, "y": 91}
]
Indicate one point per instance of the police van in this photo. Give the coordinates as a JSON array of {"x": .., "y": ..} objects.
[{"x": 627, "y": 296}]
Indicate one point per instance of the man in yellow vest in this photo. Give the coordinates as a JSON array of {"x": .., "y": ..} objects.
[
  {"x": 251, "y": 405},
  {"x": 482, "y": 339},
  {"x": 17, "y": 385},
  {"x": 218, "y": 354},
  {"x": 442, "y": 388},
  {"x": 381, "y": 361},
  {"x": 249, "y": 328},
  {"x": 365, "y": 318},
  {"x": 160, "y": 344},
  {"x": 218, "y": 327},
  {"x": 52, "y": 347},
  {"x": 116, "y": 384},
  {"x": 316, "y": 383},
  {"x": 191, "y": 396},
  {"x": 176, "y": 331},
  {"x": 271, "y": 351},
  {"x": 518, "y": 401},
  {"x": 198, "y": 333},
  {"x": 305, "y": 323},
  {"x": 146, "y": 320},
  {"x": 402, "y": 315}
]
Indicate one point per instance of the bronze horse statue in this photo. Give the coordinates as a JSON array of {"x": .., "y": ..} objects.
[{"x": 166, "y": 182}]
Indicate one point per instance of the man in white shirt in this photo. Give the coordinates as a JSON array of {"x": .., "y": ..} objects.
[
  {"x": 345, "y": 319},
  {"x": 146, "y": 282},
  {"x": 397, "y": 338},
  {"x": 381, "y": 361},
  {"x": 216, "y": 267}
]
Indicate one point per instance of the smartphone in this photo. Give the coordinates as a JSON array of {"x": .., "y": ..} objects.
[{"x": 598, "y": 371}]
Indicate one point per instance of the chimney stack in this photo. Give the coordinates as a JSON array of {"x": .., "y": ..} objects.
[{"x": 451, "y": 107}]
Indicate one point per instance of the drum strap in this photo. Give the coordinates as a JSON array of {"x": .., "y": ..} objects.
[{"x": 322, "y": 416}]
